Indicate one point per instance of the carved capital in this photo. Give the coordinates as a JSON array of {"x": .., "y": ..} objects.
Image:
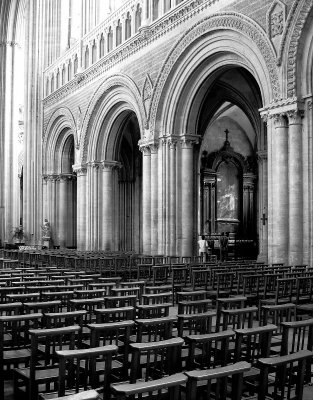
[
  {"x": 279, "y": 119},
  {"x": 81, "y": 170},
  {"x": 248, "y": 181},
  {"x": 108, "y": 166},
  {"x": 294, "y": 117},
  {"x": 188, "y": 141},
  {"x": 262, "y": 156},
  {"x": 66, "y": 177},
  {"x": 52, "y": 177},
  {"x": 95, "y": 164}
]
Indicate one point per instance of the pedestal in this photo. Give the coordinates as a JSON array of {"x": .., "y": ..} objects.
[{"x": 46, "y": 242}]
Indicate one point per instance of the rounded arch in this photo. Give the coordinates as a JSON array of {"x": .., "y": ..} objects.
[
  {"x": 216, "y": 42},
  {"x": 60, "y": 126},
  {"x": 114, "y": 96}
]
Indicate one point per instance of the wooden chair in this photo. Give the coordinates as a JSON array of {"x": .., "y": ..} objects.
[
  {"x": 14, "y": 343},
  {"x": 285, "y": 292},
  {"x": 276, "y": 315},
  {"x": 179, "y": 280},
  {"x": 153, "y": 330},
  {"x": 287, "y": 383},
  {"x": 251, "y": 344},
  {"x": 77, "y": 370},
  {"x": 239, "y": 318},
  {"x": 296, "y": 336},
  {"x": 197, "y": 323},
  {"x": 214, "y": 383},
  {"x": 117, "y": 333},
  {"x": 156, "y": 359},
  {"x": 161, "y": 274},
  {"x": 209, "y": 350},
  {"x": 226, "y": 303},
  {"x": 29, "y": 379},
  {"x": 114, "y": 314},
  {"x": 153, "y": 310},
  {"x": 157, "y": 298},
  {"x": 304, "y": 299},
  {"x": 168, "y": 387}
]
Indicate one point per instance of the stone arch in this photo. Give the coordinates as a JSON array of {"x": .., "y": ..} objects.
[
  {"x": 225, "y": 24},
  {"x": 61, "y": 124},
  {"x": 120, "y": 92}
]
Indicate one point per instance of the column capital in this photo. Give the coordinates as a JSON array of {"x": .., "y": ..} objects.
[
  {"x": 262, "y": 155},
  {"x": 80, "y": 169},
  {"x": 189, "y": 140},
  {"x": 66, "y": 177},
  {"x": 149, "y": 146},
  {"x": 108, "y": 166},
  {"x": 51, "y": 177},
  {"x": 94, "y": 164},
  {"x": 249, "y": 180},
  {"x": 295, "y": 116}
]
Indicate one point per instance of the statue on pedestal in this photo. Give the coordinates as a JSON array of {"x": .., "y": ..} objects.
[
  {"x": 46, "y": 233},
  {"x": 46, "y": 229}
]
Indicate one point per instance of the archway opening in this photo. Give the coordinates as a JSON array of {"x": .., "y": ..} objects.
[
  {"x": 67, "y": 196},
  {"x": 231, "y": 131},
  {"x": 129, "y": 185}
]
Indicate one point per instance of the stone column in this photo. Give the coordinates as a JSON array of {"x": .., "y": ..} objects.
[
  {"x": 146, "y": 198},
  {"x": 307, "y": 150},
  {"x": 172, "y": 143},
  {"x": 187, "y": 194},
  {"x": 161, "y": 196},
  {"x": 248, "y": 203},
  {"x": 280, "y": 198},
  {"x": 263, "y": 206},
  {"x": 154, "y": 198},
  {"x": 63, "y": 209},
  {"x": 108, "y": 205},
  {"x": 94, "y": 205},
  {"x": 81, "y": 173},
  {"x": 295, "y": 188}
]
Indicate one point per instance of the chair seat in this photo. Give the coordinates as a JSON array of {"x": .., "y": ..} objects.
[
  {"x": 41, "y": 375},
  {"x": 18, "y": 355}
]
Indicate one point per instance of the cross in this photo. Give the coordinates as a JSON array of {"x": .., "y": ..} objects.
[
  {"x": 263, "y": 219},
  {"x": 227, "y": 132}
]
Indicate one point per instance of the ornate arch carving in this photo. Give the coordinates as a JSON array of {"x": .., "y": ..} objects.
[
  {"x": 299, "y": 22},
  {"x": 227, "y": 20},
  {"x": 119, "y": 80}
]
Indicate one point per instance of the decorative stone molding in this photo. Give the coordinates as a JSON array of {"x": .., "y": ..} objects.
[
  {"x": 275, "y": 18},
  {"x": 228, "y": 20},
  {"x": 294, "y": 117},
  {"x": 282, "y": 106},
  {"x": 249, "y": 180},
  {"x": 110, "y": 165},
  {"x": 94, "y": 164},
  {"x": 66, "y": 177},
  {"x": 299, "y": 22},
  {"x": 80, "y": 170},
  {"x": 147, "y": 94},
  {"x": 262, "y": 155},
  {"x": 50, "y": 177},
  {"x": 189, "y": 140}
]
